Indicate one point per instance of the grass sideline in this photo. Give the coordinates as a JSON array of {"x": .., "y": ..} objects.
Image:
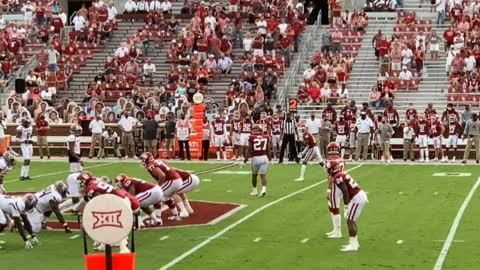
[{"x": 403, "y": 227}]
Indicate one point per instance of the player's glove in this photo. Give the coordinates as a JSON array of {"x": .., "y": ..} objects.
[
  {"x": 35, "y": 241},
  {"x": 28, "y": 245}
]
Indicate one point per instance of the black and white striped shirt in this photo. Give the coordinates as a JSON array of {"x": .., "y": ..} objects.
[{"x": 289, "y": 127}]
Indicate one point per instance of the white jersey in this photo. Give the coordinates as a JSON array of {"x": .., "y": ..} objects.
[
  {"x": 13, "y": 206},
  {"x": 26, "y": 133},
  {"x": 45, "y": 196},
  {"x": 76, "y": 140},
  {"x": 4, "y": 168},
  {"x": 73, "y": 188}
]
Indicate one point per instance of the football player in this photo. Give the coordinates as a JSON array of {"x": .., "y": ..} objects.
[
  {"x": 219, "y": 136},
  {"x": 168, "y": 179},
  {"x": 354, "y": 199},
  {"x": 277, "y": 124},
  {"x": 334, "y": 195},
  {"x": 49, "y": 200},
  {"x": 259, "y": 149},
  {"x": 16, "y": 208},
  {"x": 75, "y": 197},
  {"x": 190, "y": 183},
  {"x": 422, "y": 132},
  {"x": 436, "y": 133},
  {"x": 235, "y": 134},
  {"x": 454, "y": 129},
  {"x": 24, "y": 136},
  {"x": 245, "y": 130},
  {"x": 352, "y": 137},
  {"x": 73, "y": 148},
  {"x": 264, "y": 123},
  {"x": 148, "y": 194},
  {"x": 7, "y": 162},
  {"x": 342, "y": 129},
  {"x": 310, "y": 152}
]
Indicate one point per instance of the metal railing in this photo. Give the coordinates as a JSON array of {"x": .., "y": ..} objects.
[{"x": 297, "y": 67}]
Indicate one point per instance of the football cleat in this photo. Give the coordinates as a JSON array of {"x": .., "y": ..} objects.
[
  {"x": 175, "y": 218},
  {"x": 349, "y": 248},
  {"x": 263, "y": 194},
  {"x": 184, "y": 214},
  {"x": 254, "y": 193},
  {"x": 299, "y": 179},
  {"x": 335, "y": 235}
]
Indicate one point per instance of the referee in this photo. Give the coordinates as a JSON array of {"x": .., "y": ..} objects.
[{"x": 288, "y": 137}]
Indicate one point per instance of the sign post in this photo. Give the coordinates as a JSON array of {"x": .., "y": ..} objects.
[{"x": 108, "y": 220}]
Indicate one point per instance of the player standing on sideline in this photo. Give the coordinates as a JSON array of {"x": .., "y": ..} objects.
[
  {"x": 310, "y": 152},
  {"x": 352, "y": 138},
  {"x": 245, "y": 130},
  {"x": 354, "y": 199},
  {"x": 454, "y": 129},
  {"x": 422, "y": 132},
  {"x": 264, "y": 123},
  {"x": 259, "y": 149},
  {"x": 333, "y": 193},
  {"x": 7, "y": 162},
  {"x": 235, "y": 134},
  {"x": 436, "y": 133},
  {"x": 276, "y": 133},
  {"x": 49, "y": 200},
  {"x": 342, "y": 129},
  {"x": 219, "y": 136},
  {"x": 16, "y": 208},
  {"x": 73, "y": 149},
  {"x": 24, "y": 136}
]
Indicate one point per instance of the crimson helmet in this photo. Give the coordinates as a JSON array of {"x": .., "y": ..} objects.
[
  {"x": 84, "y": 179},
  {"x": 121, "y": 180},
  {"x": 334, "y": 166},
  {"x": 146, "y": 157},
  {"x": 333, "y": 150},
  {"x": 257, "y": 130}
]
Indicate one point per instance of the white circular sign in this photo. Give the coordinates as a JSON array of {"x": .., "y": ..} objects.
[
  {"x": 108, "y": 219},
  {"x": 198, "y": 98}
]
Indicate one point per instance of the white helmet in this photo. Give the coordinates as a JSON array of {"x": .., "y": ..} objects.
[
  {"x": 30, "y": 201},
  {"x": 62, "y": 188},
  {"x": 76, "y": 130},
  {"x": 106, "y": 180},
  {"x": 9, "y": 157}
]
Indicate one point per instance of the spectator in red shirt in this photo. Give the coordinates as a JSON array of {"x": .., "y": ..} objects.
[
  {"x": 314, "y": 93},
  {"x": 42, "y": 128},
  {"x": 383, "y": 47},
  {"x": 449, "y": 37}
]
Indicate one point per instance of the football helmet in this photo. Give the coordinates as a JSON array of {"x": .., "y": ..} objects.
[
  {"x": 334, "y": 166},
  {"x": 84, "y": 179},
  {"x": 257, "y": 130},
  {"x": 120, "y": 180},
  {"x": 76, "y": 130},
  {"x": 263, "y": 115},
  {"x": 30, "y": 201},
  {"x": 333, "y": 150},
  {"x": 145, "y": 158},
  {"x": 106, "y": 179},
  {"x": 62, "y": 188},
  {"x": 26, "y": 122},
  {"x": 9, "y": 158}
]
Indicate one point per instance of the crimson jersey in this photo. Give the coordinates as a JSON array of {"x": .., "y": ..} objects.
[
  {"x": 411, "y": 113},
  {"x": 430, "y": 113},
  {"x": 264, "y": 124},
  {"x": 352, "y": 187},
  {"x": 170, "y": 173},
  {"x": 277, "y": 127},
  {"x": 218, "y": 126},
  {"x": 390, "y": 114},
  {"x": 330, "y": 114},
  {"x": 139, "y": 185},
  {"x": 454, "y": 128},
  {"x": 246, "y": 127},
  {"x": 236, "y": 126},
  {"x": 450, "y": 115},
  {"x": 347, "y": 114},
  {"x": 341, "y": 127},
  {"x": 309, "y": 140},
  {"x": 183, "y": 174},
  {"x": 422, "y": 127},
  {"x": 96, "y": 187},
  {"x": 436, "y": 129},
  {"x": 259, "y": 144}
]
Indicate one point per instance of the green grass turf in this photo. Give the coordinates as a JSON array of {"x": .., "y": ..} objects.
[{"x": 406, "y": 203}]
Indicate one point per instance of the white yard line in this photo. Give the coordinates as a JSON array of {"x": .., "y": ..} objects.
[
  {"x": 453, "y": 229},
  {"x": 60, "y": 172},
  {"x": 74, "y": 237},
  {"x": 240, "y": 221}
]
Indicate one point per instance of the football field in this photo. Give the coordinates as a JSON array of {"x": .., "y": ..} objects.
[{"x": 418, "y": 217}]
